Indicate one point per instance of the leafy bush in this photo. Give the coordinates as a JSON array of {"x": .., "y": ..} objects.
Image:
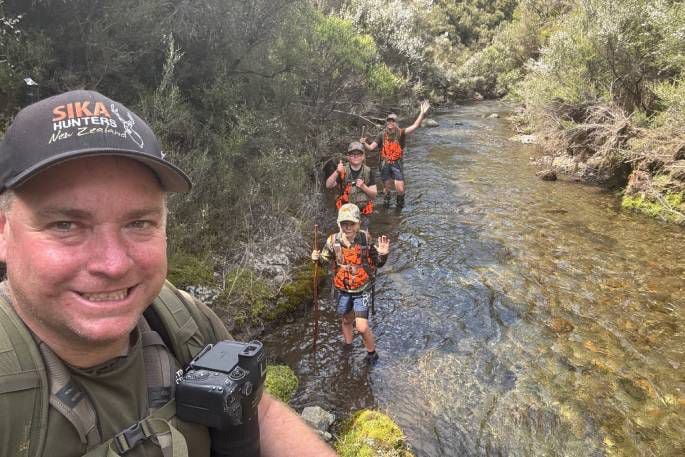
[{"x": 188, "y": 270}]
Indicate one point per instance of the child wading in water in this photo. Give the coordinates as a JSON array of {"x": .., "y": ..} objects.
[
  {"x": 356, "y": 259},
  {"x": 356, "y": 181}
]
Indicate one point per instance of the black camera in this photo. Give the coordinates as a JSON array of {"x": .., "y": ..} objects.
[{"x": 221, "y": 388}]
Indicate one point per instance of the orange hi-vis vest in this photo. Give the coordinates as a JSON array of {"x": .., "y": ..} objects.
[
  {"x": 392, "y": 150},
  {"x": 352, "y": 194},
  {"x": 353, "y": 267}
]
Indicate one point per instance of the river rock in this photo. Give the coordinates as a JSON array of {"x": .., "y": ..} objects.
[
  {"x": 493, "y": 116},
  {"x": 430, "y": 123},
  {"x": 204, "y": 294},
  {"x": 318, "y": 417},
  {"x": 547, "y": 175},
  {"x": 525, "y": 139}
]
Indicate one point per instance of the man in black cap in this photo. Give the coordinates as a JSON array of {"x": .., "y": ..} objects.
[
  {"x": 83, "y": 185},
  {"x": 391, "y": 142}
]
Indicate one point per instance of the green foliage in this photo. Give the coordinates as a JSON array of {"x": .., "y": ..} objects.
[
  {"x": 339, "y": 66},
  {"x": 373, "y": 434},
  {"x": 670, "y": 208},
  {"x": 247, "y": 294},
  {"x": 383, "y": 82},
  {"x": 281, "y": 382},
  {"x": 671, "y": 95},
  {"x": 188, "y": 270}
]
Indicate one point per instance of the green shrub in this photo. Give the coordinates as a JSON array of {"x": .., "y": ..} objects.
[
  {"x": 188, "y": 270},
  {"x": 281, "y": 382}
]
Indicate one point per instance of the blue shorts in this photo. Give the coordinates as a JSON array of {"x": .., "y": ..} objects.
[
  {"x": 392, "y": 171},
  {"x": 358, "y": 302}
]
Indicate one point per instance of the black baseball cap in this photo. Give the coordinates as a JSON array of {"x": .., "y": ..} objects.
[{"x": 77, "y": 124}]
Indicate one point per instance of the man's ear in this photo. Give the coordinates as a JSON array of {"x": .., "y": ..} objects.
[{"x": 3, "y": 236}]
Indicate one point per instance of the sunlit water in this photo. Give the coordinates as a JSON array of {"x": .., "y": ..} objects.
[{"x": 515, "y": 317}]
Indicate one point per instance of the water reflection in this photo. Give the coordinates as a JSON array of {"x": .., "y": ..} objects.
[{"x": 515, "y": 316}]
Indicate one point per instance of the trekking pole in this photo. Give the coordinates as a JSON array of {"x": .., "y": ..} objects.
[{"x": 316, "y": 289}]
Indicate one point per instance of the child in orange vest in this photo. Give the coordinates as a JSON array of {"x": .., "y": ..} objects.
[
  {"x": 356, "y": 181},
  {"x": 356, "y": 259}
]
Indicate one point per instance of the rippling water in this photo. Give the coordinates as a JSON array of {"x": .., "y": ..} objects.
[{"x": 515, "y": 317}]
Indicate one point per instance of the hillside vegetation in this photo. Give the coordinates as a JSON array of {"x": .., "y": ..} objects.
[{"x": 252, "y": 97}]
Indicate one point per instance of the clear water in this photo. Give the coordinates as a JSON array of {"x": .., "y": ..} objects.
[{"x": 515, "y": 317}]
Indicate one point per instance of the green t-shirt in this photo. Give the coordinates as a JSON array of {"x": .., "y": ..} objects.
[{"x": 118, "y": 392}]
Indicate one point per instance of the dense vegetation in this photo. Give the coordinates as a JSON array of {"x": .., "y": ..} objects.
[{"x": 251, "y": 97}]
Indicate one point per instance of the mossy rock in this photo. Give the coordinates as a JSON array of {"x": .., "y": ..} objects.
[
  {"x": 297, "y": 292},
  {"x": 246, "y": 297},
  {"x": 281, "y": 382},
  {"x": 370, "y": 433},
  {"x": 189, "y": 270}
]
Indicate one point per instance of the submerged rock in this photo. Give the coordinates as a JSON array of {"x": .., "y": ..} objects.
[
  {"x": 430, "y": 123},
  {"x": 547, "y": 175},
  {"x": 318, "y": 417}
]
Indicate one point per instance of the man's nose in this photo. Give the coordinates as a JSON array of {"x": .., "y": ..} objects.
[{"x": 109, "y": 253}]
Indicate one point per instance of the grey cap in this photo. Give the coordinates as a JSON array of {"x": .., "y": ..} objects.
[
  {"x": 392, "y": 116},
  {"x": 77, "y": 124},
  {"x": 355, "y": 146}
]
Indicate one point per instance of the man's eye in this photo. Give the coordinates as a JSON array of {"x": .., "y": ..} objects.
[
  {"x": 63, "y": 226},
  {"x": 141, "y": 225}
]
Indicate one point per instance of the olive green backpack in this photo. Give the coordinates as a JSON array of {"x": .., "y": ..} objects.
[{"x": 32, "y": 378}]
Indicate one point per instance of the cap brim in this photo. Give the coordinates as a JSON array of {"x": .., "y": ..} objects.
[{"x": 171, "y": 178}]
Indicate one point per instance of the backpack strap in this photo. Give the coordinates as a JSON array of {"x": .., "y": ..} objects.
[
  {"x": 179, "y": 318},
  {"x": 23, "y": 386},
  {"x": 159, "y": 367},
  {"x": 67, "y": 397},
  {"x": 363, "y": 237}
]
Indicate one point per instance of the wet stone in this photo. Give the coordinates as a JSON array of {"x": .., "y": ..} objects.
[{"x": 560, "y": 326}]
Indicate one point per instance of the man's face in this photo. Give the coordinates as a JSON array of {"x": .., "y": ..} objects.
[
  {"x": 391, "y": 124},
  {"x": 85, "y": 247},
  {"x": 356, "y": 158}
]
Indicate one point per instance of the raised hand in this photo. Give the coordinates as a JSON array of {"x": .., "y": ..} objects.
[
  {"x": 316, "y": 254},
  {"x": 425, "y": 106},
  {"x": 383, "y": 245},
  {"x": 341, "y": 168}
]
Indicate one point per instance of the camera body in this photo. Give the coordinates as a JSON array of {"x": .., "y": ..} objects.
[{"x": 222, "y": 386}]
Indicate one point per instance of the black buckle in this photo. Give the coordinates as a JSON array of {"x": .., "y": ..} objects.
[{"x": 129, "y": 438}]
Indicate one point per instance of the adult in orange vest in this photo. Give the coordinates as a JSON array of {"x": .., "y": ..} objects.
[
  {"x": 356, "y": 181},
  {"x": 391, "y": 142}
]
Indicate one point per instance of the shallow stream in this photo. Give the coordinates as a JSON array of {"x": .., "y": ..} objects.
[{"x": 515, "y": 317}]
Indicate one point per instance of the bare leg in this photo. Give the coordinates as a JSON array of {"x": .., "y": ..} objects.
[
  {"x": 399, "y": 187},
  {"x": 387, "y": 185},
  {"x": 347, "y": 328},
  {"x": 366, "y": 333}
]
